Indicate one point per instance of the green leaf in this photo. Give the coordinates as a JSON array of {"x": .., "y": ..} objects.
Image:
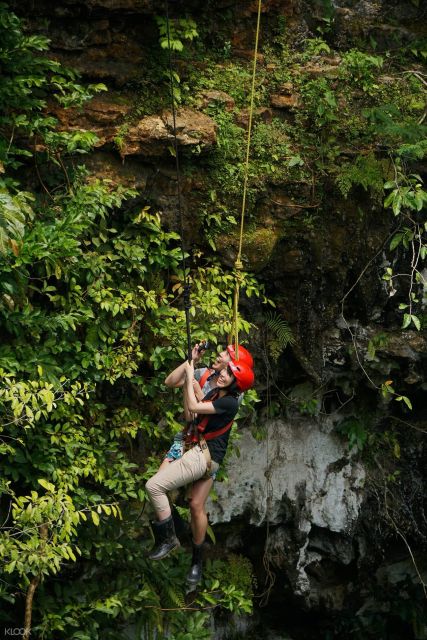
[
  {"x": 416, "y": 322},
  {"x": 406, "y": 320},
  {"x": 396, "y": 240},
  {"x": 407, "y": 402},
  {"x": 46, "y": 485}
]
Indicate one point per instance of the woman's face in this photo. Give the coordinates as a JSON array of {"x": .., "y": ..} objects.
[
  {"x": 225, "y": 378},
  {"x": 221, "y": 361}
]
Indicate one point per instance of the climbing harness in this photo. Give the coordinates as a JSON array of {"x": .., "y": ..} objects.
[
  {"x": 238, "y": 265},
  {"x": 205, "y": 376},
  {"x": 195, "y": 435}
]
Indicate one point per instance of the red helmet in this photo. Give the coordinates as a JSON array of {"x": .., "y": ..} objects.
[
  {"x": 243, "y": 373},
  {"x": 244, "y": 355}
]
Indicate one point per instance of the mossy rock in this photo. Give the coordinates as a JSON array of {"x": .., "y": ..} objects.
[{"x": 258, "y": 246}]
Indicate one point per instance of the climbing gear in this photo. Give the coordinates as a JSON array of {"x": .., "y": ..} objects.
[
  {"x": 193, "y": 438},
  {"x": 244, "y": 355},
  {"x": 165, "y": 539},
  {"x": 243, "y": 373},
  {"x": 186, "y": 295},
  {"x": 194, "y": 576},
  {"x": 205, "y": 376},
  {"x": 205, "y": 450},
  {"x": 197, "y": 440},
  {"x": 211, "y": 435},
  {"x": 238, "y": 265}
]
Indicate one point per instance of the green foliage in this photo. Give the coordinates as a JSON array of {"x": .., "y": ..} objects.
[
  {"x": 314, "y": 47},
  {"x": 172, "y": 32},
  {"x": 408, "y": 199},
  {"x": 179, "y": 29},
  {"x": 26, "y": 82},
  {"x": 305, "y": 399},
  {"x": 378, "y": 341},
  {"x": 14, "y": 211},
  {"x": 229, "y": 581},
  {"x": 406, "y": 193},
  {"x": 281, "y": 334},
  {"x": 387, "y": 121},
  {"x": 356, "y": 432},
  {"x": 365, "y": 171},
  {"x": 320, "y": 101},
  {"x": 91, "y": 307},
  {"x": 232, "y": 77},
  {"x": 388, "y": 392},
  {"x": 361, "y": 69},
  {"x": 91, "y": 319}
]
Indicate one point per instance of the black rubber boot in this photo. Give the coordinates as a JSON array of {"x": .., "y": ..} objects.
[
  {"x": 182, "y": 528},
  {"x": 194, "y": 576},
  {"x": 165, "y": 539}
]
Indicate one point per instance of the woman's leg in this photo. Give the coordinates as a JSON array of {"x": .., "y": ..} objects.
[
  {"x": 199, "y": 525},
  {"x": 187, "y": 469},
  {"x": 199, "y": 518}
]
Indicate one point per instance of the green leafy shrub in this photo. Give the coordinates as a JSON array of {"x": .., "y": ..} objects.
[{"x": 91, "y": 318}]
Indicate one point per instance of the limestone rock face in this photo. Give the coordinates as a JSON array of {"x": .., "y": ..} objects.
[
  {"x": 303, "y": 461},
  {"x": 153, "y": 135},
  {"x": 103, "y": 115},
  {"x": 302, "y": 479},
  {"x": 214, "y": 96}
]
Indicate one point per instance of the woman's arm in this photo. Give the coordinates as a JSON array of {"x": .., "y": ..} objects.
[
  {"x": 198, "y": 390},
  {"x": 187, "y": 413},
  {"x": 177, "y": 377},
  {"x": 194, "y": 405}
]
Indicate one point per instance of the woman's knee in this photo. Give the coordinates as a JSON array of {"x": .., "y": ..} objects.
[
  {"x": 197, "y": 505},
  {"x": 151, "y": 486}
]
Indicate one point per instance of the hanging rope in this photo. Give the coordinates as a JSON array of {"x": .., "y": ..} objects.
[
  {"x": 238, "y": 266},
  {"x": 187, "y": 300}
]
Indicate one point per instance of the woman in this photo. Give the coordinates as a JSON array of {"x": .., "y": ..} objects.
[{"x": 215, "y": 414}]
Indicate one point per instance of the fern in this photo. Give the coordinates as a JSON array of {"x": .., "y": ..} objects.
[
  {"x": 366, "y": 172},
  {"x": 415, "y": 151},
  {"x": 164, "y": 587},
  {"x": 387, "y": 121},
  {"x": 282, "y": 334},
  {"x": 280, "y": 328}
]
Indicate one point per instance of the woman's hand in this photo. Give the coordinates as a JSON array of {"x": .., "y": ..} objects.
[
  {"x": 189, "y": 371},
  {"x": 195, "y": 354}
]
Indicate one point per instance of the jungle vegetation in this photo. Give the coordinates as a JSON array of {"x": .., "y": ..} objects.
[{"x": 91, "y": 314}]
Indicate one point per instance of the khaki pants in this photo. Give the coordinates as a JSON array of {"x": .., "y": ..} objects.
[{"x": 191, "y": 467}]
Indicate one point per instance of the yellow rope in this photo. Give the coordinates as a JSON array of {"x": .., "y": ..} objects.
[{"x": 238, "y": 266}]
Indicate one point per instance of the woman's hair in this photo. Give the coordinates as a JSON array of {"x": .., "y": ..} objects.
[{"x": 232, "y": 389}]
